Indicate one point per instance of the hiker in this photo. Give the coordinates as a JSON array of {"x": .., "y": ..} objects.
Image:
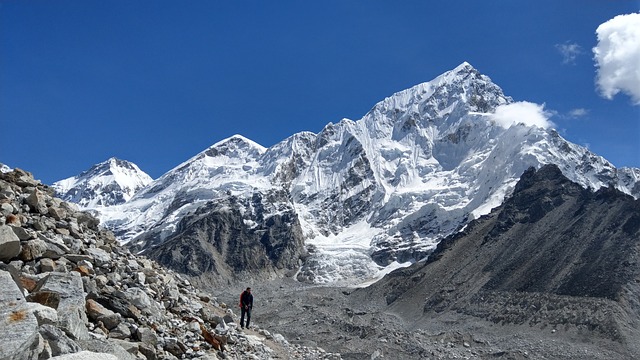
[{"x": 246, "y": 304}]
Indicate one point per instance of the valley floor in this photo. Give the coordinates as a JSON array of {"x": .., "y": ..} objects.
[{"x": 329, "y": 318}]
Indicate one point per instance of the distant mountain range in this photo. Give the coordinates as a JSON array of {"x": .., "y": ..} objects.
[{"x": 344, "y": 205}]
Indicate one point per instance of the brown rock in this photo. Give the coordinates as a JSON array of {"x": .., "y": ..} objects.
[
  {"x": 47, "y": 298},
  {"x": 32, "y": 249},
  {"x": 28, "y": 283}
]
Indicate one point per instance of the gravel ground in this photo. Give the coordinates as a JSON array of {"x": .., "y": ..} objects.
[{"x": 330, "y": 318}]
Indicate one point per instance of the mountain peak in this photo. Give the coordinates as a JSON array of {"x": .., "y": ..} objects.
[
  {"x": 234, "y": 146},
  {"x": 464, "y": 66},
  {"x": 110, "y": 182}
]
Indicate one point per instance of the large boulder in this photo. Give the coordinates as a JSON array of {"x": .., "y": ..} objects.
[
  {"x": 37, "y": 201},
  {"x": 18, "y": 325},
  {"x": 71, "y": 309},
  {"x": 9, "y": 244}
]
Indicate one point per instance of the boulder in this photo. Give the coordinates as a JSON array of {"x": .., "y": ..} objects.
[
  {"x": 44, "y": 314},
  {"x": 37, "y": 202},
  {"x": 46, "y": 298},
  {"x": 88, "y": 220},
  {"x": 71, "y": 310},
  {"x": 106, "y": 346},
  {"x": 100, "y": 257},
  {"x": 86, "y": 355},
  {"x": 97, "y": 312},
  {"x": 18, "y": 325},
  {"x": 57, "y": 213},
  {"x": 147, "y": 336},
  {"x": 9, "y": 244},
  {"x": 23, "y": 234},
  {"x": 32, "y": 249},
  {"x": 58, "y": 341},
  {"x": 55, "y": 247},
  {"x": 6, "y": 209},
  {"x": 46, "y": 265},
  {"x": 142, "y": 301},
  {"x": 121, "y": 331}
]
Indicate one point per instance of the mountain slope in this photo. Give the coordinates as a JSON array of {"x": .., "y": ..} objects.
[
  {"x": 111, "y": 182},
  {"x": 554, "y": 254},
  {"x": 373, "y": 193}
]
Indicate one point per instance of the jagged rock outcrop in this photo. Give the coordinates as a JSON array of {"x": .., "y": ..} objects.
[
  {"x": 71, "y": 291},
  {"x": 219, "y": 241},
  {"x": 553, "y": 255}
]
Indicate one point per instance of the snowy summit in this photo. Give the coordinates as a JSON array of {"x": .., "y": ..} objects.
[{"x": 109, "y": 183}]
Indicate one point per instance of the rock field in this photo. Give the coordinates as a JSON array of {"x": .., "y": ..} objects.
[{"x": 70, "y": 291}]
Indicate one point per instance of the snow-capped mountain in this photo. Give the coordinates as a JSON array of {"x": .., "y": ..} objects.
[
  {"x": 108, "y": 183},
  {"x": 373, "y": 193}
]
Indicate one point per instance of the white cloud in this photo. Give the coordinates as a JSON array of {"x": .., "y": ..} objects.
[
  {"x": 569, "y": 52},
  {"x": 575, "y": 113},
  {"x": 617, "y": 57},
  {"x": 522, "y": 112}
]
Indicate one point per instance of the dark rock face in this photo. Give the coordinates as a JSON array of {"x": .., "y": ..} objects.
[
  {"x": 221, "y": 239},
  {"x": 554, "y": 254}
]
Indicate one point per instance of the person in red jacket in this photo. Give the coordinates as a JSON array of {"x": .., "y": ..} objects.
[{"x": 246, "y": 304}]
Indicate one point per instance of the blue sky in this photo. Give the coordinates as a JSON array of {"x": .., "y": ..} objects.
[{"x": 155, "y": 82}]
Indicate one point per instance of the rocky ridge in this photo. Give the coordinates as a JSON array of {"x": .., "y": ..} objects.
[{"x": 71, "y": 291}]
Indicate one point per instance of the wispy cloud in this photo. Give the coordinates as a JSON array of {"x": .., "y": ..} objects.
[
  {"x": 569, "y": 52},
  {"x": 580, "y": 112},
  {"x": 617, "y": 57}
]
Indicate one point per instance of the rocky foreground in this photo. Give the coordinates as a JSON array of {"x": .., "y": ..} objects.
[{"x": 70, "y": 291}]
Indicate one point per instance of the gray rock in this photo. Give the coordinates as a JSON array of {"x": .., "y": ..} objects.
[
  {"x": 174, "y": 347},
  {"x": 57, "y": 213},
  {"x": 37, "y": 202},
  {"x": 44, "y": 314},
  {"x": 18, "y": 325},
  {"x": 142, "y": 301},
  {"x": 228, "y": 318},
  {"x": 87, "y": 220},
  {"x": 106, "y": 346},
  {"x": 58, "y": 341},
  {"x": 46, "y": 265},
  {"x": 128, "y": 346},
  {"x": 90, "y": 287},
  {"x": 147, "y": 336},
  {"x": 55, "y": 250},
  {"x": 148, "y": 351},
  {"x": 71, "y": 310},
  {"x": 100, "y": 257},
  {"x": 121, "y": 331},
  {"x": 6, "y": 209},
  {"x": 76, "y": 258},
  {"x": 23, "y": 234},
  {"x": 86, "y": 355},
  {"x": 9, "y": 244},
  {"x": 32, "y": 249}
]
